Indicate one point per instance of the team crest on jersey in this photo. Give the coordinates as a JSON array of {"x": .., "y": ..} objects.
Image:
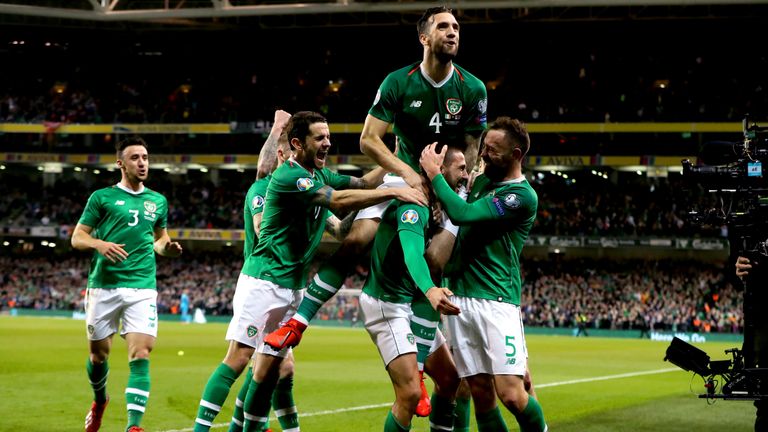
[
  {"x": 512, "y": 201},
  {"x": 252, "y": 331},
  {"x": 411, "y": 338},
  {"x": 378, "y": 97},
  {"x": 90, "y": 329},
  {"x": 149, "y": 211},
  {"x": 257, "y": 202},
  {"x": 304, "y": 183},
  {"x": 453, "y": 106},
  {"x": 150, "y": 206},
  {"x": 409, "y": 217}
]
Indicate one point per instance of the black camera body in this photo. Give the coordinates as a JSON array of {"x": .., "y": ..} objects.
[
  {"x": 736, "y": 179},
  {"x": 723, "y": 379},
  {"x": 737, "y": 172}
]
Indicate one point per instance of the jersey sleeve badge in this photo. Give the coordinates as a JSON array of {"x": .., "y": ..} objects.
[
  {"x": 304, "y": 183},
  {"x": 257, "y": 202},
  {"x": 512, "y": 201},
  {"x": 409, "y": 216}
]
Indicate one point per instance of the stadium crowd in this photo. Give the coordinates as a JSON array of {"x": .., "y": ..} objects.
[
  {"x": 610, "y": 295},
  {"x": 631, "y": 206},
  {"x": 645, "y": 72}
]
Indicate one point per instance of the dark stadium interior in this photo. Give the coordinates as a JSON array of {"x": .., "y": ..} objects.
[{"x": 555, "y": 65}]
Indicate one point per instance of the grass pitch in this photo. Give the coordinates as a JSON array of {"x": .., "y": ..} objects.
[{"x": 584, "y": 384}]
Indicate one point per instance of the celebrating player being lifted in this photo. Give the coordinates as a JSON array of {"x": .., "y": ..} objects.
[
  {"x": 431, "y": 100},
  {"x": 124, "y": 225}
]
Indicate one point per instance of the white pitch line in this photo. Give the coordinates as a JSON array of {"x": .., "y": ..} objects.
[
  {"x": 604, "y": 378},
  {"x": 386, "y": 404}
]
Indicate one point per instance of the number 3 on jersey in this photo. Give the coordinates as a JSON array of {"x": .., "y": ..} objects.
[
  {"x": 435, "y": 121},
  {"x": 135, "y": 220}
]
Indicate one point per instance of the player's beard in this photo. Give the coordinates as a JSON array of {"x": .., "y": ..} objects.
[
  {"x": 493, "y": 171},
  {"x": 445, "y": 57}
]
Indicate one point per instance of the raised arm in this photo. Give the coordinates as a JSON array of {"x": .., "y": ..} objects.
[
  {"x": 472, "y": 150},
  {"x": 268, "y": 154},
  {"x": 370, "y": 180},
  {"x": 372, "y": 145},
  {"x": 355, "y": 199}
]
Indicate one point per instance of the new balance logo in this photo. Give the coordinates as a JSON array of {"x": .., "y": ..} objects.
[
  {"x": 416, "y": 104},
  {"x": 119, "y": 202}
]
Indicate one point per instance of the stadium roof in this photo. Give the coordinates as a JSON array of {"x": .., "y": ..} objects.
[{"x": 153, "y": 10}]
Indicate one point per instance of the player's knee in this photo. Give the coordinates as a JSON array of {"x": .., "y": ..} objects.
[
  {"x": 139, "y": 353},
  {"x": 358, "y": 239},
  {"x": 408, "y": 397},
  {"x": 446, "y": 382},
  {"x": 482, "y": 392},
  {"x": 514, "y": 398},
  {"x": 238, "y": 356},
  {"x": 354, "y": 245},
  {"x": 286, "y": 368},
  {"x": 463, "y": 391},
  {"x": 99, "y": 356}
]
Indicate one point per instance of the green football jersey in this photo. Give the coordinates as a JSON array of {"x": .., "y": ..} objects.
[
  {"x": 119, "y": 216},
  {"x": 291, "y": 225},
  {"x": 486, "y": 261},
  {"x": 254, "y": 204},
  {"x": 423, "y": 111},
  {"x": 389, "y": 278}
]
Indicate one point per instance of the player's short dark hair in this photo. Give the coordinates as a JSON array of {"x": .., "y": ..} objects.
[
  {"x": 127, "y": 142},
  {"x": 450, "y": 155},
  {"x": 298, "y": 125},
  {"x": 515, "y": 130},
  {"x": 423, "y": 24}
]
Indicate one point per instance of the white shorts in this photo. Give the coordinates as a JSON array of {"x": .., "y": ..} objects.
[
  {"x": 375, "y": 211},
  {"x": 260, "y": 307},
  {"x": 487, "y": 338},
  {"x": 104, "y": 308},
  {"x": 389, "y": 325}
]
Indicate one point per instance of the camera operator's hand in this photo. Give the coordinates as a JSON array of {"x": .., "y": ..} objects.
[{"x": 742, "y": 266}]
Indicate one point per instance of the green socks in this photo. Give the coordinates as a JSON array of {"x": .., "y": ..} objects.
[
  {"x": 137, "y": 391},
  {"x": 236, "y": 425},
  {"x": 441, "y": 417},
  {"x": 256, "y": 406},
  {"x": 285, "y": 408},
  {"x": 424, "y": 323},
  {"x": 324, "y": 285},
  {"x": 214, "y": 396},
  {"x": 392, "y": 425},
  {"x": 462, "y": 417},
  {"x": 97, "y": 375},
  {"x": 532, "y": 417},
  {"x": 491, "y": 421}
]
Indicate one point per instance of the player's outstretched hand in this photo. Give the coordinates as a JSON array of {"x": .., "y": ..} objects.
[
  {"x": 438, "y": 298},
  {"x": 431, "y": 160},
  {"x": 112, "y": 251},
  {"x": 411, "y": 195},
  {"x": 173, "y": 249}
]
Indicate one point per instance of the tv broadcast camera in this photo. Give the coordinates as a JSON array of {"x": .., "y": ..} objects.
[
  {"x": 723, "y": 379},
  {"x": 735, "y": 174}
]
